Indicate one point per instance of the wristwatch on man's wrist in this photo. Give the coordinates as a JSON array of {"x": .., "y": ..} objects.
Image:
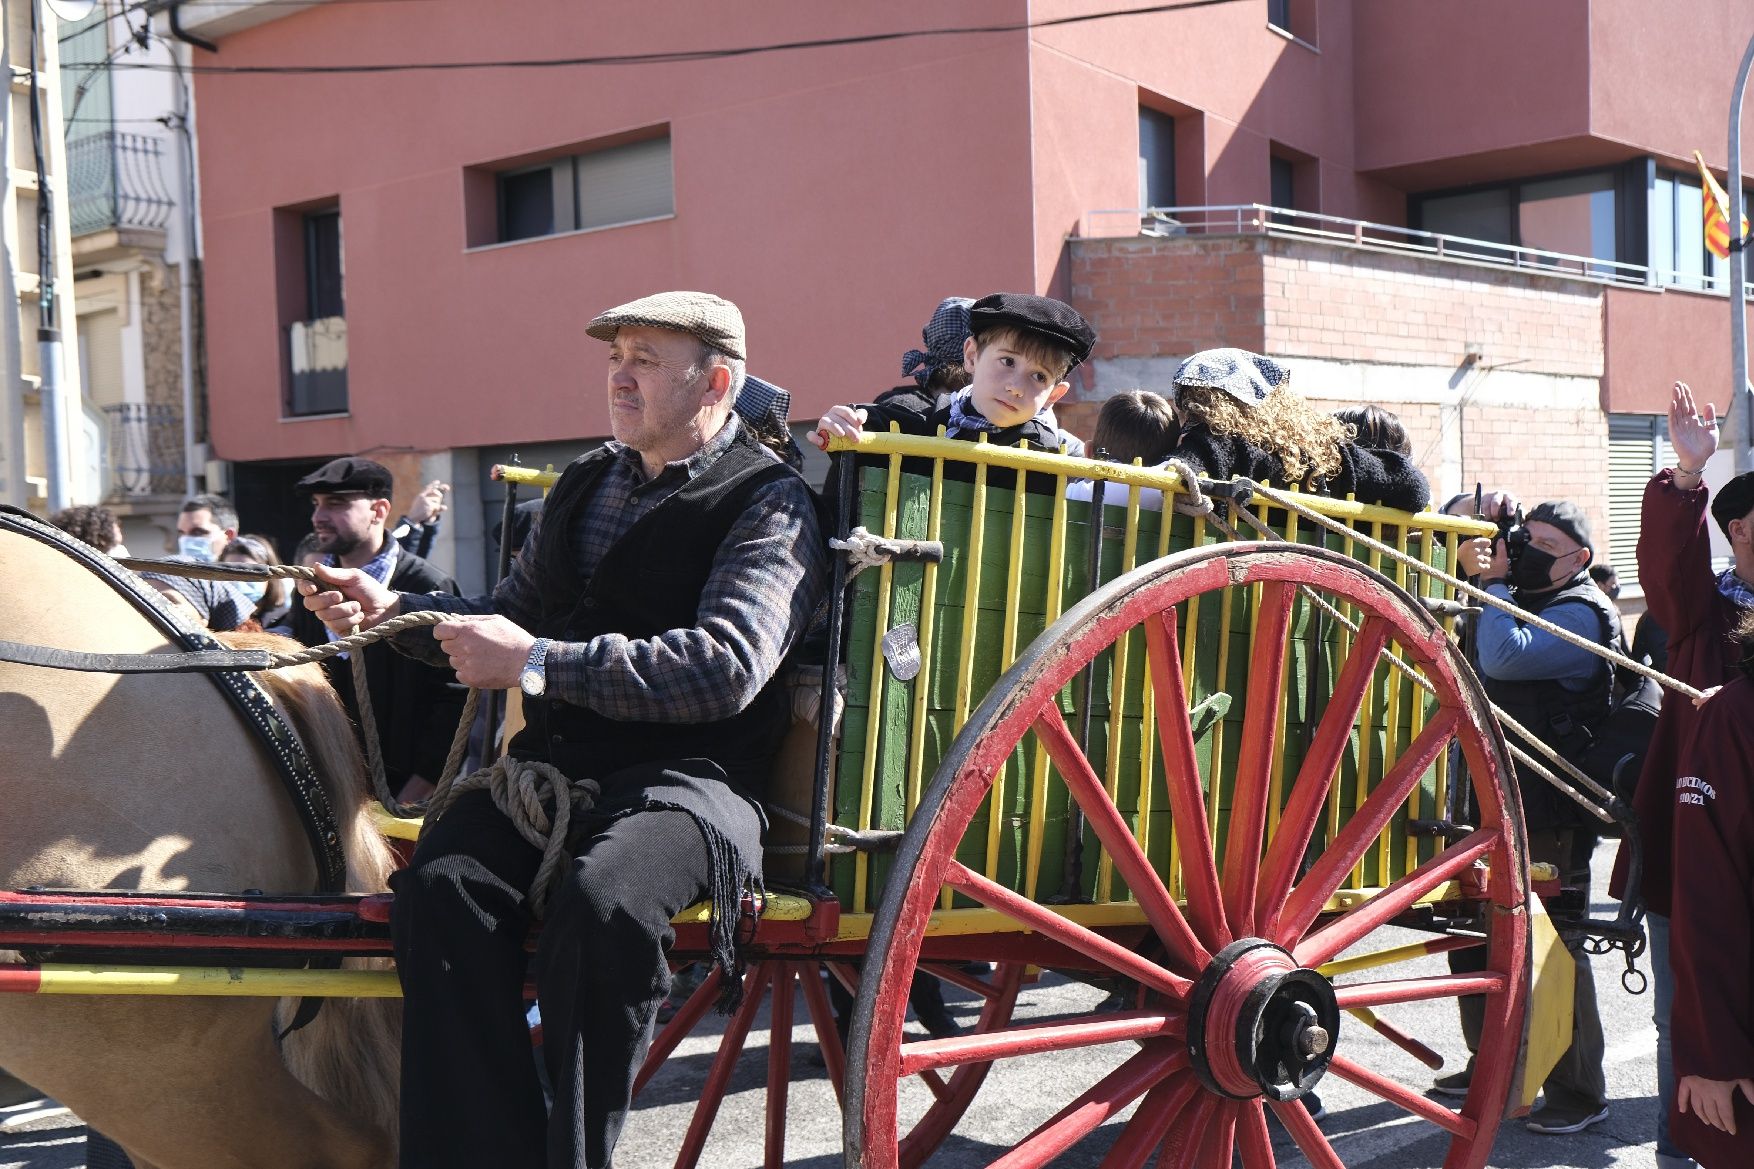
[{"x": 533, "y": 679}]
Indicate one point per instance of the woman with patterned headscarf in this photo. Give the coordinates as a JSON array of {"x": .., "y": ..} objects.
[{"x": 1240, "y": 417}]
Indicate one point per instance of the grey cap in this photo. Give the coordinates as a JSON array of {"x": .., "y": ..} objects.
[
  {"x": 713, "y": 319},
  {"x": 1247, "y": 377},
  {"x": 1567, "y": 516}
]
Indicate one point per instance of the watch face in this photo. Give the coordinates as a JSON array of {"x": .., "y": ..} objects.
[{"x": 531, "y": 682}]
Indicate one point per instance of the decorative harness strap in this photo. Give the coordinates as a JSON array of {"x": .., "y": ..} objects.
[{"x": 291, "y": 763}]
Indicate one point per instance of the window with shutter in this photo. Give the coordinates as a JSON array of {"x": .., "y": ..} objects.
[{"x": 1637, "y": 448}]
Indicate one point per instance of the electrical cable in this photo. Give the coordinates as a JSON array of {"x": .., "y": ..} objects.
[{"x": 678, "y": 56}]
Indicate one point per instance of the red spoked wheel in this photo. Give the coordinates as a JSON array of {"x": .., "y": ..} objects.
[
  {"x": 774, "y": 982},
  {"x": 1233, "y": 1019}
]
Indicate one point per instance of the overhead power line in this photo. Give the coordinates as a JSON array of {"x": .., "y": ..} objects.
[{"x": 680, "y": 56}]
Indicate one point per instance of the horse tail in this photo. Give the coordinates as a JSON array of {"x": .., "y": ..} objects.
[{"x": 350, "y": 1054}]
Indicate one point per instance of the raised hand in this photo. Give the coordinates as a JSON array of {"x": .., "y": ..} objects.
[{"x": 1692, "y": 432}]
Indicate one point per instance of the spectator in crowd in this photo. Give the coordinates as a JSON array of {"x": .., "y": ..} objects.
[
  {"x": 305, "y": 554},
  {"x": 205, "y": 526},
  {"x": 273, "y": 598},
  {"x": 1698, "y": 608},
  {"x": 94, "y": 525},
  {"x": 669, "y": 575},
  {"x": 418, "y": 527},
  {"x": 1606, "y": 579},
  {"x": 1712, "y": 925},
  {"x": 1376, "y": 429},
  {"x": 220, "y": 605},
  {"x": 1240, "y": 417},
  {"x": 1561, "y": 693},
  {"x": 415, "y": 705}
]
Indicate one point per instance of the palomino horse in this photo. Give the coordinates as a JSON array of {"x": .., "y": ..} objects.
[{"x": 153, "y": 782}]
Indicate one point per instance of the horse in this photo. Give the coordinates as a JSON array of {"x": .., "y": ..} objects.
[{"x": 154, "y": 782}]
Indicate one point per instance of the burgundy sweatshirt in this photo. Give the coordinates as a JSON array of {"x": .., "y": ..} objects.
[
  {"x": 1674, "y": 566},
  {"x": 1712, "y": 938}
]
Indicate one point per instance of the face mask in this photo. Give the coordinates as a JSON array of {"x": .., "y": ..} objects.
[
  {"x": 253, "y": 589},
  {"x": 196, "y": 548},
  {"x": 1533, "y": 569}
]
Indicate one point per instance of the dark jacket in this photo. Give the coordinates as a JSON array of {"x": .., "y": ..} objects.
[
  {"x": 1564, "y": 719},
  {"x": 1674, "y": 568},
  {"x": 1387, "y": 478},
  {"x": 914, "y": 411},
  {"x": 416, "y": 706}
]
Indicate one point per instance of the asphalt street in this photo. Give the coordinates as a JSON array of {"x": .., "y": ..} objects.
[{"x": 1366, "y": 1132}]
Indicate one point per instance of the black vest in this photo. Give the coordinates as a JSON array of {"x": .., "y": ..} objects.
[
  {"x": 1564, "y": 719},
  {"x": 649, "y": 581}
]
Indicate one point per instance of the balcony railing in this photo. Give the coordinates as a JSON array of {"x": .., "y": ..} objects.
[
  {"x": 316, "y": 356},
  {"x": 145, "y": 450},
  {"x": 116, "y": 182},
  {"x": 1260, "y": 219}
]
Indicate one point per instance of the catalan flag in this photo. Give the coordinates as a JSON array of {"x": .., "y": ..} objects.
[{"x": 1717, "y": 213}]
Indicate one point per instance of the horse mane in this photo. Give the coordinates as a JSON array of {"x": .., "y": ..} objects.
[{"x": 350, "y": 1054}]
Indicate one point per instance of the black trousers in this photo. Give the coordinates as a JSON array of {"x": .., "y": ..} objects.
[{"x": 470, "y": 1094}]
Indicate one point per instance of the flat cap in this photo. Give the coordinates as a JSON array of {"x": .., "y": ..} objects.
[
  {"x": 1050, "y": 319},
  {"x": 348, "y": 474},
  {"x": 1565, "y": 515},
  {"x": 713, "y": 319},
  {"x": 1247, "y": 377}
]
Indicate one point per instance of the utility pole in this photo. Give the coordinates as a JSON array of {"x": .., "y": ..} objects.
[
  {"x": 1741, "y": 409},
  {"x": 57, "y": 450}
]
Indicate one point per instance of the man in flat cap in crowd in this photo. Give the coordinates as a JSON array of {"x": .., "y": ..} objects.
[
  {"x": 1562, "y": 694},
  {"x": 415, "y": 705},
  {"x": 670, "y": 572}
]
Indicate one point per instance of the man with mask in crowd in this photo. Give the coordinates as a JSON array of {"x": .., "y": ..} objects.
[
  {"x": 205, "y": 526},
  {"x": 415, "y": 706},
  {"x": 1561, "y": 693}
]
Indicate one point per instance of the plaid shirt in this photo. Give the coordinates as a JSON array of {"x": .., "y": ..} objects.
[{"x": 769, "y": 574}]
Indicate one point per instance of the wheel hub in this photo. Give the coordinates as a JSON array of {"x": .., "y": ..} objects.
[{"x": 1258, "y": 1024}]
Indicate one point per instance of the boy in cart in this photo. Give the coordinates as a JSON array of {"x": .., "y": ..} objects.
[{"x": 1019, "y": 353}]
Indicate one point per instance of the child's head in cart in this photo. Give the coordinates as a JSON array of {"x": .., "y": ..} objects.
[{"x": 1017, "y": 356}]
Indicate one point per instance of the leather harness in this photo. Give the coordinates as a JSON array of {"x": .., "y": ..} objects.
[{"x": 201, "y": 653}]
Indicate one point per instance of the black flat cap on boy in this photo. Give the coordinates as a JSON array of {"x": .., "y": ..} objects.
[
  {"x": 1057, "y": 321},
  {"x": 348, "y": 475},
  {"x": 1568, "y": 517}
]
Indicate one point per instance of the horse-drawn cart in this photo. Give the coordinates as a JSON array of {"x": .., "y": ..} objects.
[{"x": 1094, "y": 731}]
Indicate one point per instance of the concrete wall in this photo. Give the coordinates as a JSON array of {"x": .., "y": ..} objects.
[{"x": 836, "y": 229}]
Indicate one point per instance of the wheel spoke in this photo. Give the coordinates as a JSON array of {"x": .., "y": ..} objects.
[
  {"x": 779, "y": 1065},
  {"x": 1219, "y": 1147},
  {"x": 1399, "y": 897},
  {"x": 1181, "y": 775},
  {"x": 1181, "y": 1148},
  {"x": 834, "y": 1056},
  {"x": 1035, "y": 1038},
  {"x": 1309, "y": 792},
  {"x": 1409, "y": 990},
  {"x": 1362, "y": 829},
  {"x": 1296, "y": 1119},
  {"x": 935, "y": 1082},
  {"x": 1254, "y": 762},
  {"x": 1146, "y": 1129},
  {"x": 1252, "y": 1139},
  {"x": 1104, "y": 1099},
  {"x": 973, "y": 984},
  {"x": 680, "y": 1026},
  {"x": 1403, "y": 1097},
  {"x": 718, "y": 1078},
  {"x": 1123, "y": 849},
  {"x": 1069, "y": 933}
]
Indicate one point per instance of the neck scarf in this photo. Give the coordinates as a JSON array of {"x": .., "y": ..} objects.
[
  {"x": 964, "y": 417},
  {"x": 1735, "y": 588}
]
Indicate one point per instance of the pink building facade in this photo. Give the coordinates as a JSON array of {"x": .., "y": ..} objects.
[{"x": 402, "y": 262}]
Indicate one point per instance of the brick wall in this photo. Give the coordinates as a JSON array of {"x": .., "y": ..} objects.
[{"x": 1336, "y": 313}]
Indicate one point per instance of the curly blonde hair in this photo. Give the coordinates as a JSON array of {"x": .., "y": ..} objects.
[{"x": 1304, "y": 440}]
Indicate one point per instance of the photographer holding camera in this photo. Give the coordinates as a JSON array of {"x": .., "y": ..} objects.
[{"x": 1562, "y": 694}]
